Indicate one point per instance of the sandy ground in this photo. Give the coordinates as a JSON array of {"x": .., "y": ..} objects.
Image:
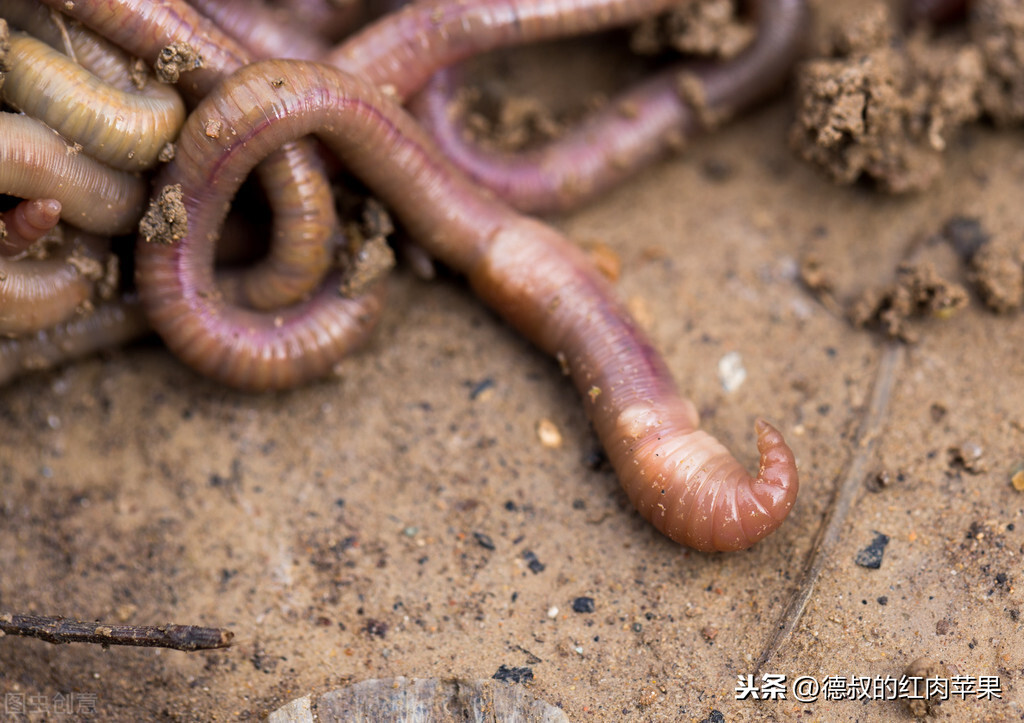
[{"x": 382, "y": 523}]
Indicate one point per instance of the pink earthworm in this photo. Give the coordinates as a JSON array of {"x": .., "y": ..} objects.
[
  {"x": 306, "y": 225},
  {"x": 403, "y": 49},
  {"x": 111, "y": 324},
  {"x": 37, "y": 294},
  {"x": 679, "y": 477},
  {"x": 125, "y": 130},
  {"x": 264, "y": 30},
  {"x": 96, "y": 54},
  {"x": 36, "y": 163},
  {"x": 633, "y": 130},
  {"x": 26, "y": 223},
  {"x": 329, "y": 19}
]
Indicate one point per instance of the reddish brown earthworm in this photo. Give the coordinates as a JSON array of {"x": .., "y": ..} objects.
[
  {"x": 402, "y": 50},
  {"x": 36, "y": 294},
  {"x": 102, "y": 58},
  {"x": 329, "y": 19},
  {"x": 306, "y": 224},
  {"x": 265, "y": 31},
  {"x": 680, "y": 478},
  {"x": 36, "y": 163},
  {"x": 26, "y": 223},
  {"x": 111, "y": 324},
  {"x": 632, "y": 131},
  {"x": 124, "y": 130}
]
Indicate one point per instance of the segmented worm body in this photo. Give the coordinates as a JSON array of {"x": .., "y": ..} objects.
[
  {"x": 402, "y": 50},
  {"x": 265, "y": 31},
  {"x": 36, "y": 163},
  {"x": 111, "y": 324},
  {"x": 680, "y": 478},
  {"x": 306, "y": 226},
  {"x": 36, "y": 294},
  {"x": 26, "y": 223},
  {"x": 632, "y": 131},
  {"x": 122, "y": 129}
]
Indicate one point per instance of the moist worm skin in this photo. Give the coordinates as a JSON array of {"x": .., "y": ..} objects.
[
  {"x": 124, "y": 130},
  {"x": 404, "y": 49},
  {"x": 306, "y": 222},
  {"x": 236, "y": 346},
  {"x": 265, "y": 31},
  {"x": 632, "y": 131},
  {"x": 111, "y": 324},
  {"x": 680, "y": 478},
  {"x": 36, "y": 163},
  {"x": 37, "y": 294},
  {"x": 328, "y": 19},
  {"x": 26, "y": 223},
  {"x": 96, "y": 54}
]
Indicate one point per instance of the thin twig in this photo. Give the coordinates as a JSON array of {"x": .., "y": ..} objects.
[
  {"x": 59, "y": 630},
  {"x": 846, "y": 492}
]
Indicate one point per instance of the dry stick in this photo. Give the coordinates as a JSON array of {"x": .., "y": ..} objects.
[
  {"x": 60, "y": 630},
  {"x": 845, "y": 494}
]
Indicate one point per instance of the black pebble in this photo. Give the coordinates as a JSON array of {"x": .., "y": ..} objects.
[
  {"x": 535, "y": 565},
  {"x": 871, "y": 556},
  {"x": 484, "y": 540},
  {"x": 583, "y": 605},
  {"x": 513, "y": 675}
]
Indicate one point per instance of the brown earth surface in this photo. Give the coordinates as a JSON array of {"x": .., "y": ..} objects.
[{"x": 436, "y": 509}]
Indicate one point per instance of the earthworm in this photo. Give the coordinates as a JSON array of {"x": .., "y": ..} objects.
[
  {"x": 265, "y": 31},
  {"x": 36, "y": 294},
  {"x": 402, "y": 50},
  {"x": 124, "y": 130},
  {"x": 37, "y": 163},
  {"x": 680, "y": 478},
  {"x": 96, "y": 54},
  {"x": 306, "y": 223},
  {"x": 329, "y": 19},
  {"x": 630, "y": 132},
  {"x": 112, "y": 323},
  {"x": 26, "y": 223}
]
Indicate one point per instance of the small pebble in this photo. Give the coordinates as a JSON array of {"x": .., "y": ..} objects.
[
  {"x": 484, "y": 541},
  {"x": 513, "y": 675},
  {"x": 871, "y": 556},
  {"x": 535, "y": 565},
  {"x": 548, "y": 434},
  {"x": 583, "y": 605},
  {"x": 731, "y": 372}
]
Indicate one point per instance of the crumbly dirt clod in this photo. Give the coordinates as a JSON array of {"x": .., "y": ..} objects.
[
  {"x": 997, "y": 270},
  {"x": 924, "y": 668},
  {"x": 711, "y": 28},
  {"x": 918, "y": 292},
  {"x": 997, "y": 29},
  {"x": 506, "y": 123},
  {"x": 5, "y": 37},
  {"x": 884, "y": 110},
  {"x": 166, "y": 221},
  {"x": 368, "y": 257},
  {"x": 175, "y": 59},
  {"x": 138, "y": 73}
]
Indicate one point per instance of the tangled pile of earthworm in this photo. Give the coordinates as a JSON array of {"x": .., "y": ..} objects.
[{"x": 93, "y": 146}]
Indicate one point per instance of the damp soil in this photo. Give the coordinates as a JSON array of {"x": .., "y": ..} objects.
[{"x": 441, "y": 509}]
